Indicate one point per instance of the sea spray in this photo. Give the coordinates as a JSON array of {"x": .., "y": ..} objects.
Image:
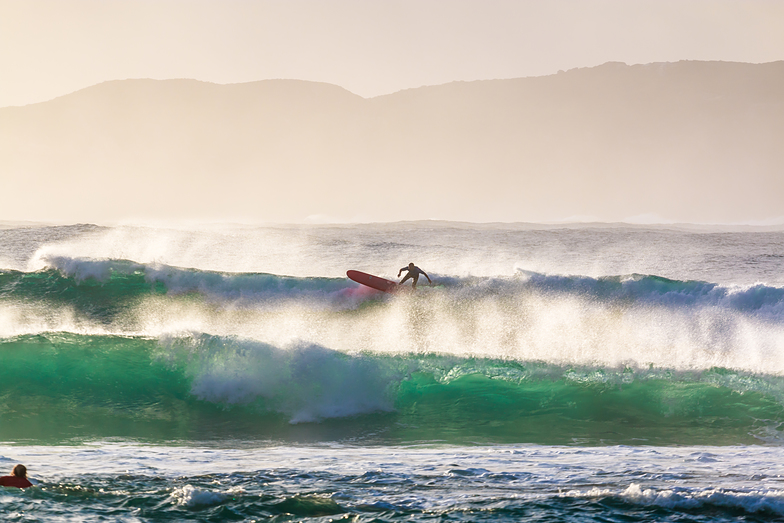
[
  {"x": 631, "y": 320},
  {"x": 565, "y": 373}
]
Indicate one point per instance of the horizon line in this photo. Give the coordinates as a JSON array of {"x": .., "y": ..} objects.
[{"x": 559, "y": 71}]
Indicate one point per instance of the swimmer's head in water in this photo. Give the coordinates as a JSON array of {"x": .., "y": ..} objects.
[{"x": 20, "y": 471}]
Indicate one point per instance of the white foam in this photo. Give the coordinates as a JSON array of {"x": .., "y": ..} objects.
[
  {"x": 84, "y": 269},
  {"x": 190, "y": 496},
  {"x": 750, "y": 501},
  {"x": 308, "y": 383}
]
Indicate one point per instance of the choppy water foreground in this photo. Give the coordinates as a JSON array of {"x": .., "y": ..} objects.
[{"x": 126, "y": 482}]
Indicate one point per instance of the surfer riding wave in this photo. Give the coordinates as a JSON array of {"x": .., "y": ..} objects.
[{"x": 413, "y": 273}]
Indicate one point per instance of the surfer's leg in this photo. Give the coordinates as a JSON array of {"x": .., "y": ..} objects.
[
  {"x": 413, "y": 283},
  {"x": 407, "y": 276}
]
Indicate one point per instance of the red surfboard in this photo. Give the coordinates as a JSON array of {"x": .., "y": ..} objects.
[{"x": 375, "y": 282}]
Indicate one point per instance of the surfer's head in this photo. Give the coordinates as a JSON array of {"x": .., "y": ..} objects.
[
  {"x": 411, "y": 265},
  {"x": 20, "y": 471}
]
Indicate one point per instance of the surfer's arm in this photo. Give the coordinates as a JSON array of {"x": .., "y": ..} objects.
[{"x": 426, "y": 276}]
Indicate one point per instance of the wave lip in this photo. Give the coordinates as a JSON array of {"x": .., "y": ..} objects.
[
  {"x": 656, "y": 290},
  {"x": 122, "y": 276},
  {"x": 176, "y": 280}
]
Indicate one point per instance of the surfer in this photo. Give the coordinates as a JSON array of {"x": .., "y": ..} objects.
[
  {"x": 413, "y": 273},
  {"x": 18, "y": 478}
]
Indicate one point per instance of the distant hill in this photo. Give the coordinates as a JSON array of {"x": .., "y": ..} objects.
[{"x": 689, "y": 141}]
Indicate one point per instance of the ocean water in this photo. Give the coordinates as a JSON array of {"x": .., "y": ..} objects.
[{"x": 233, "y": 373}]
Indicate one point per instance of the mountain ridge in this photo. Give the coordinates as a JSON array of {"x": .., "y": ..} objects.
[{"x": 690, "y": 141}]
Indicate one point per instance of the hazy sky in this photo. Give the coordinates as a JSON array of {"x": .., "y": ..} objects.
[{"x": 50, "y": 48}]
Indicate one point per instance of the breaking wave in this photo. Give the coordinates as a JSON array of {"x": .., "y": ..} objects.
[{"x": 113, "y": 347}]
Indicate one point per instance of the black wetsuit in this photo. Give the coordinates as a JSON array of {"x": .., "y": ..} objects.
[{"x": 414, "y": 274}]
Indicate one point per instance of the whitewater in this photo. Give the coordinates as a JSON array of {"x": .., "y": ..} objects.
[{"x": 601, "y": 372}]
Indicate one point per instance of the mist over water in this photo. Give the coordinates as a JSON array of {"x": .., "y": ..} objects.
[
  {"x": 446, "y": 248},
  {"x": 591, "y": 295}
]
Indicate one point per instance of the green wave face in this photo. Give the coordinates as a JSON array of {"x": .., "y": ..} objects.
[
  {"x": 103, "y": 290},
  {"x": 638, "y": 410},
  {"x": 100, "y": 299},
  {"x": 66, "y": 387}
]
